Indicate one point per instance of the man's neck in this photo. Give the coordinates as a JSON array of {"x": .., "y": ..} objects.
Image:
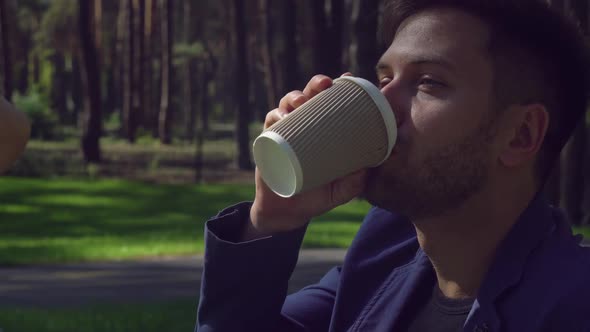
[{"x": 462, "y": 244}]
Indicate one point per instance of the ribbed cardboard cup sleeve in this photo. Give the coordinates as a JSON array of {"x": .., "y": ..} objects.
[{"x": 345, "y": 128}]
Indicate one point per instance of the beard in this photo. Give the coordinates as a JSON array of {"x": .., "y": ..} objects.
[{"x": 441, "y": 182}]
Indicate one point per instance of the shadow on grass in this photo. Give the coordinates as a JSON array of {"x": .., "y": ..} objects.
[
  {"x": 57, "y": 218},
  {"x": 60, "y": 220},
  {"x": 153, "y": 317}
]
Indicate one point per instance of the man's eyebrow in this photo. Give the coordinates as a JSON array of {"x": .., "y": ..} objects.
[
  {"x": 433, "y": 60},
  {"x": 422, "y": 60}
]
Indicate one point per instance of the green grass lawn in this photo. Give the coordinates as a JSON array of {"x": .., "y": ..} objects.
[
  {"x": 62, "y": 220},
  {"x": 157, "y": 317},
  {"x": 583, "y": 230}
]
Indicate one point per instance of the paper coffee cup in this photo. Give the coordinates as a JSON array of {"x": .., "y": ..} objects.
[{"x": 348, "y": 127}]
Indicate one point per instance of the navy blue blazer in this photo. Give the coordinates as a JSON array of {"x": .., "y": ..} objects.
[{"x": 539, "y": 280}]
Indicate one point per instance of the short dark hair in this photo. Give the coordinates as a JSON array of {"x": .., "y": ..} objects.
[{"x": 539, "y": 56}]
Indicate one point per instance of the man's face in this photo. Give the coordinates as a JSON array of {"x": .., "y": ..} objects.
[{"x": 437, "y": 76}]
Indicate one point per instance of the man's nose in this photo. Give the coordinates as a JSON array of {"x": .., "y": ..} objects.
[{"x": 399, "y": 102}]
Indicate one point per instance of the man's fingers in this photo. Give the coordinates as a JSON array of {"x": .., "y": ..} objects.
[
  {"x": 295, "y": 99},
  {"x": 349, "y": 187},
  {"x": 346, "y": 74},
  {"x": 316, "y": 85},
  {"x": 292, "y": 100},
  {"x": 273, "y": 117}
]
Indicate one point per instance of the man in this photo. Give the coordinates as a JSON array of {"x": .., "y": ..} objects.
[
  {"x": 486, "y": 93},
  {"x": 14, "y": 134}
]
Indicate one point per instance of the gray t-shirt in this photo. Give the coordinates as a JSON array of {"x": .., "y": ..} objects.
[{"x": 441, "y": 314}]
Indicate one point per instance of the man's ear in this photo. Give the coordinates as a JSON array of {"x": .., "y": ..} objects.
[{"x": 527, "y": 129}]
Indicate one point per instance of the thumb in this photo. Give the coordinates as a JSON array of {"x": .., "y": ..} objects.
[{"x": 348, "y": 187}]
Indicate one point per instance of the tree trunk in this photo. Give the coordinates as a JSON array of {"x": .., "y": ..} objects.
[
  {"x": 364, "y": 49},
  {"x": 119, "y": 68},
  {"x": 76, "y": 89},
  {"x": 203, "y": 104},
  {"x": 111, "y": 98},
  {"x": 319, "y": 31},
  {"x": 335, "y": 38},
  {"x": 266, "y": 55},
  {"x": 137, "y": 91},
  {"x": 58, "y": 92},
  {"x": 22, "y": 79},
  {"x": 129, "y": 115},
  {"x": 327, "y": 36},
  {"x": 156, "y": 88},
  {"x": 189, "y": 113},
  {"x": 242, "y": 86},
  {"x": 209, "y": 67},
  {"x": 90, "y": 83},
  {"x": 165, "y": 116},
  {"x": 147, "y": 81},
  {"x": 6, "y": 48},
  {"x": 348, "y": 36},
  {"x": 22, "y": 60},
  {"x": 225, "y": 85},
  {"x": 291, "y": 65},
  {"x": 36, "y": 70},
  {"x": 97, "y": 17}
]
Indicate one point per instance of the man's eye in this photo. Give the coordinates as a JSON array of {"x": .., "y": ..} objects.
[{"x": 429, "y": 83}]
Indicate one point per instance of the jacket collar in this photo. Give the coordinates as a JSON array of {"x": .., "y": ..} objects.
[{"x": 507, "y": 268}]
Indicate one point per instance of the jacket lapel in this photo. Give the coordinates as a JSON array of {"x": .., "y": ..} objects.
[
  {"x": 402, "y": 294},
  {"x": 506, "y": 271}
]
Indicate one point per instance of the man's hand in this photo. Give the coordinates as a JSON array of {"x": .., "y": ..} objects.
[{"x": 271, "y": 213}]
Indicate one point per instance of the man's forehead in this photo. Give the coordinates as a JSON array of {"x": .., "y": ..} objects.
[{"x": 441, "y": 35}]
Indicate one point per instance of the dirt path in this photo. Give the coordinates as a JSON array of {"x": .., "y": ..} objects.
[{"x": 127, "y": 282}]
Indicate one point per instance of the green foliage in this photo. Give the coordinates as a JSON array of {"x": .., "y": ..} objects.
[
  {"x": 44, "y": 121},
  {"x": 112, "y": 123},
  {"x": 584, "y": 230},
  {"x": 49, "y": 165},
  {"x": 135, "y": 317},
  {"x": 45, "y": 76},
  {"x": 28, "y": 10},
  {"x": 145, "y": 138},
  {"x": 121, "y": 158},
  {"x": 58, "y": 27},
  {"x": 92, "y": 170},
  {"x": 154, "y": 163},
  {"x": 184, "y": 52}
]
